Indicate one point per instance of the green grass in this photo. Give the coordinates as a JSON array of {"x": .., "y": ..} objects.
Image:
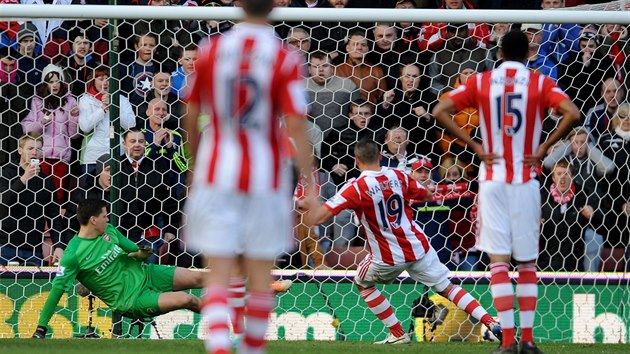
[{"x": 138, "y": 346}]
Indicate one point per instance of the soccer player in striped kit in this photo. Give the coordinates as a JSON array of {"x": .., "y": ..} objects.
[
  {"x": 380, "y": 197},
  {"x": 512, "y": 102},
  {"x": 239, "y": 207}
]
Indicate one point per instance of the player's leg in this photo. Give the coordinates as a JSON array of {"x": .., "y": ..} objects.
[
  {"x": 259, "y": 304},
  {"x": 526, "y": 226},
  {"x": 368, "y": 275},
  {"x": 185, "y": 279},
  {"x": 267, "y": 234},
  {"x": 177, "y": 300},
  {"x": 236, "y": 297},
  {"x": 216, "y": 310},
  {"x": 495, "y": 238}
]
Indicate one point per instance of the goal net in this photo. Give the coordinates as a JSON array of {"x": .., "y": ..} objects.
[{"x": 75, "y": 87}]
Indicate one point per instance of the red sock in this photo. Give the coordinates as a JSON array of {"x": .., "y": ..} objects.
[
  {"x": 527, "y": 295},
  {"x": 215, "y": 311},
  {"x": 383, "y": 310},
  {"x": 466, "y": 302},
  {"x": 259, "y": 305},
  {"x": 503, "y": 296},
  {"x": 236, "y": 299}
]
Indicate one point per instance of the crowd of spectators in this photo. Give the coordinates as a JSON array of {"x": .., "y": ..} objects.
[{"x": 377, "y": 80}]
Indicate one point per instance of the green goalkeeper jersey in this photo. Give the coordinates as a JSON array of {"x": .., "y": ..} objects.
[{"x": 101, "y": 264}]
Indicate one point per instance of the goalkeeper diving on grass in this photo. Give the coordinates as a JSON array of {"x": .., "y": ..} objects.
[{"x": 112, "y": 267}]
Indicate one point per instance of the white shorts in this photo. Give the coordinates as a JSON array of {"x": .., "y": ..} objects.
[
  {"x": 227, "y": 224},
  {"x": 428, "y": 270},
  {"x": 509, "y": 219}
]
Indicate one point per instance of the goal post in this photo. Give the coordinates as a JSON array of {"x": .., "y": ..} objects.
[
  {"x": 607, "y": 16},
  {"x": 584, "y": 287}
]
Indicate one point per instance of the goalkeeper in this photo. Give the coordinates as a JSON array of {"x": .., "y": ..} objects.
[{"x": 112, "y": 267}]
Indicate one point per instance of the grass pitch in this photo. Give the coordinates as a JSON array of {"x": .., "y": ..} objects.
[{"x": 139, "y": 346}]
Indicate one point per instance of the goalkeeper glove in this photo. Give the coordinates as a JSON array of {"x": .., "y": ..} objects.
[
  {"x": 142, "y": 253},
  {"x": 40, "y": 332}
]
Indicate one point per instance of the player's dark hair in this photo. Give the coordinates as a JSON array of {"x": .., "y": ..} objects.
[
  {"x": 367, "y": 150},
  {"x": 515, "y": 46},
  {"x": 257, "y": 8},
  {"x": 88, "y": 208}
]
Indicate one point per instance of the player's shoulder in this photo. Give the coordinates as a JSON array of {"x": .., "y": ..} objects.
[{"x": 110, "y": 231}]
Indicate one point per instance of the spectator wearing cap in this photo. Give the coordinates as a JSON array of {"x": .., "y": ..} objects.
[
  {"x": 431, "y": 216},
  {"x": 599, "y": 117},
  {"x": 446, "y": 64},
  {"x": 31, "y": 62},
  {"x": 585, "y": 72},
  {"x": 560, "y": 40},
  {"x": 54, "y": 115},
  {"x": 79, "y": 63},
  {"x": 13, "y": 104},
  {"x": 537, "y": 59},
  {"x": 99, "y": 189},
  {"x": 467, "y": 119}
]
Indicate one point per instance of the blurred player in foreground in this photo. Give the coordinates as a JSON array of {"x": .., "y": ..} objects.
[
  {"x": 112, "y": 267},
  {"x": 380, "y": 197},
  {"x": 239, "y": 207},
  {"x": 512, "y": 102}
]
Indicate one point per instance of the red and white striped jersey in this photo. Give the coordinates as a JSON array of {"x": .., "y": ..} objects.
[
  {"x": 512, "y": 102},
  {"x": 381, "y": 202},
  {"x": 246, "y": 81}
]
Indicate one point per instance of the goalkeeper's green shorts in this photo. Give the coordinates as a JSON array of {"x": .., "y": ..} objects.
[{"x": 159, "y": 280}]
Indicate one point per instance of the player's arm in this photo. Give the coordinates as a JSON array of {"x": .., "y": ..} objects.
[
  {"x": 570, "y": 115},
  {"x": 140, "y": 253},
  {"x": 417, "y": 192},
  {"x": 292, "y": 103},
  {"x": 443, "y": 115},
  {"x": 318, "y": 215},
  {"x": 296, "y": 126},
  {"x": 66, "y": 273},
  {"x": 347, "y": 198}
]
